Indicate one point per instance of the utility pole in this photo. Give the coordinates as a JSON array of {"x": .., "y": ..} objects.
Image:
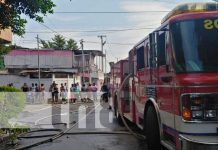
[
  {"x": 105, "y": 63},
  {"x": 102, "y": 48},
  {"x": 39, "y": 72},
  {"x": 82, "y": 47}
]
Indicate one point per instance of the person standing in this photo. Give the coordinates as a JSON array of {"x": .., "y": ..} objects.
[
  {"x": 32, "y": 88},
  {"x": 89, "y": 92},
  {"x": 25, "y": 88},
  {"x": 83, "y": 93},
  {"x": 11, "y": 85},
  {"x": 66, "y": 91},
  {"x": 36, "y": 87},
  {"x": 105, "y": 91},
  {"x": 33, "y": 93},
  {"x": 72, "y": 98},
  {"x": 105, "y": 96},
  {"x": 56, "y": 93},
  {"x": 37, "y": 94},
  {"x": 62, "y": 93},
  {"x": 42, "y": 93},
  {"x": 94, "y": 91},
  {"x": 76, "y": 91},
  {"x": 51, "y": 89}
]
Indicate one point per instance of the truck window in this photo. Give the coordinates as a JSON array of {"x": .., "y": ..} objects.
[
  {"x": 140, "y": 58},
  {"x": 161, "y": 49}
]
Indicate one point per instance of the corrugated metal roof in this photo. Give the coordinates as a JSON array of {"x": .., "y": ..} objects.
[{"x": 29, "y": 52}]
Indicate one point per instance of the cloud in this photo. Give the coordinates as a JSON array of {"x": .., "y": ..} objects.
[
  {"x": 145, "y": 18},
  {"x": 143, "y": 6},
  {"x": 64, "y": 18}
]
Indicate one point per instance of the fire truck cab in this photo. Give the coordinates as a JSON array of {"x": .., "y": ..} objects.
[{"x": 173, "y": 81}]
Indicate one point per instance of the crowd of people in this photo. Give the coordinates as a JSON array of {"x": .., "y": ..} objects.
[
  {"x": 34, "y": 93},
  {"x": 63, "y": 93},
  {"x": 75, "y": 93}
]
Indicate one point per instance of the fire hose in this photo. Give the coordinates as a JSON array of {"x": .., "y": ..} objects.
[
  {"x": 138, "y": 136},
  {"x": 66, "y": 132}
]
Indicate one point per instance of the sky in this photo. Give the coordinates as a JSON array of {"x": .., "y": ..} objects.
[{"x": 76, "y": 25}]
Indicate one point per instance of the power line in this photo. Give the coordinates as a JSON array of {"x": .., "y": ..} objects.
[
  {"x": 109, "y": 50},
  {"x": 110, "y": 12},
  {"x": 122, "y": 44},
  {"x": 107, "y": 30},
  {"x": 47, "y": 28},
  {"x": 110, "y": 43}
]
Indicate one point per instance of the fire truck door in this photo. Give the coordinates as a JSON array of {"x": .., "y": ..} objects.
[
  {"x": 164, "y": 82},
  {"x": 153, "y": 59}
]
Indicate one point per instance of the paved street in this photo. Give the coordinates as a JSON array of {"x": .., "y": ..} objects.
[{"x": 99, "y": 119}]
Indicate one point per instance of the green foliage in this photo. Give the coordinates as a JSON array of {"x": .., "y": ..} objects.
[
  {"x": 12, "y": 102},
  {"x": 60, "y": 43},
  {"x": 11, "y": 13},
  {"x": 71, "y": 45},
  {"x": 3, "y": 50}
]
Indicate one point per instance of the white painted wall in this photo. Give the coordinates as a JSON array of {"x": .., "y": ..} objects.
[{"x": 18, "y": 81}]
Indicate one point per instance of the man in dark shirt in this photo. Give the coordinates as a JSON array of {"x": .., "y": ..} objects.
[{"x": 25, "y": 88}]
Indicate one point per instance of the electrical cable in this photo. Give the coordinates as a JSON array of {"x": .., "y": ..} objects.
[
  {"x": 71, "y": 31},
  {"x": 124, "y": 44},
  {"x": 110, "y": 43},
  {"x": 110, "y": 12}
]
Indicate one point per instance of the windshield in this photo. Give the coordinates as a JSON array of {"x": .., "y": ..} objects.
[{"x": 195, "y": 43}]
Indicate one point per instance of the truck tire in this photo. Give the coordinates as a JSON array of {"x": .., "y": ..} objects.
[{"x": 151, "y": 128}]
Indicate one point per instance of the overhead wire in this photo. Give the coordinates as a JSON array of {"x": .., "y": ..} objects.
[
  {"x": 111, "y": 43},
  {"x": 105, "y": 30},
  {"x": 110, "y": 12},
  {"x": 124, "y": 44}
]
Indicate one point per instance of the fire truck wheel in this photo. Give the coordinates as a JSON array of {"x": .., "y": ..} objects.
[{"x": 152, "y": 129}]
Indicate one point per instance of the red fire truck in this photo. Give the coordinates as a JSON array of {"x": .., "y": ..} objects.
[{"x": 170, "y": 81}]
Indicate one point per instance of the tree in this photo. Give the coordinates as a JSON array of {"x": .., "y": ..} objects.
[
  {"x": 71, "y": 45},
  {"x": 59, "y": 42},
  {"x": 11, "y": 12},
  {"x": 3, "y": 50}
]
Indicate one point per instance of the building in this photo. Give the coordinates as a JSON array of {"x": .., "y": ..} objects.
[
  {"x": 61, "y": 66},
  {"x": 5, "y": 36},
  {"x": 90, "y": 72}
]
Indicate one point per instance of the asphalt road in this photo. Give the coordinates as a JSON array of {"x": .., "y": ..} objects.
[{"x": 86, "y": 132}]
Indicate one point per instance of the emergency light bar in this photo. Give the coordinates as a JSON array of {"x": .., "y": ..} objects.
[{"x": 191, "y": 7}]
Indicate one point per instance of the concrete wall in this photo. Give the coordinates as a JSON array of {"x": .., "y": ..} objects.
[{"x": 18, "y": 81}]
